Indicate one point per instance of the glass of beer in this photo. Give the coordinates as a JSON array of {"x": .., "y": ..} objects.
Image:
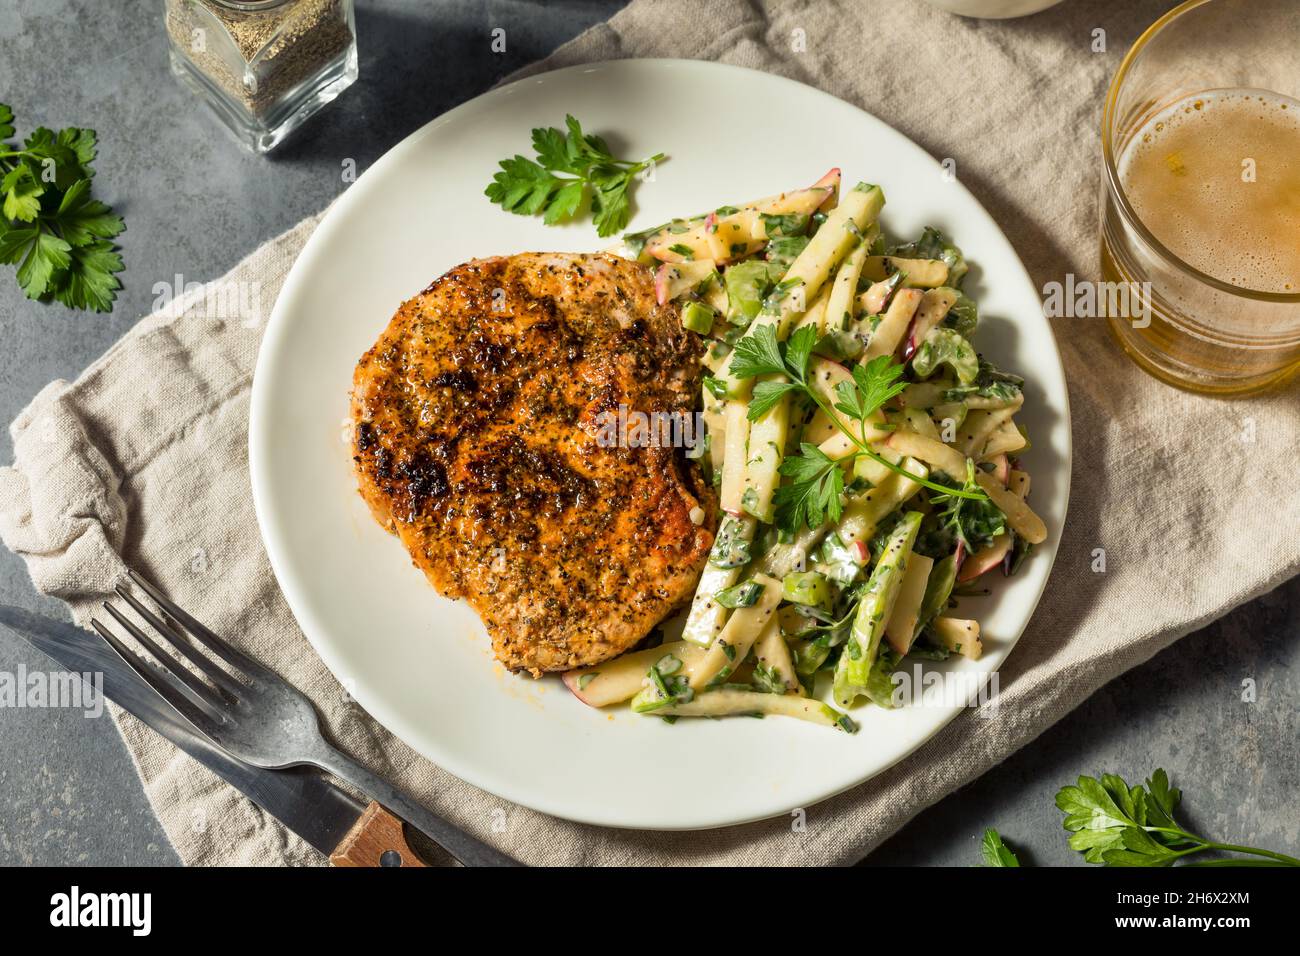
[{"x": 1200, "y": 206}]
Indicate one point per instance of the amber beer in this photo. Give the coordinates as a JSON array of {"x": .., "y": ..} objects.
[
  {"x": 1215, "y": 178},
  {"x": 1200, "y": 194}
]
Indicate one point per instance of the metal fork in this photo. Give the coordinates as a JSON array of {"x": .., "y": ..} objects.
[{"x": 255, "y": 715}]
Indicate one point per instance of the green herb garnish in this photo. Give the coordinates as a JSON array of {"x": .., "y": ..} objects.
[
  {"x": 51, "y": 227},
  {"x": 744, "y": 594},
  {"x": 813, "y": 495},
  {"x": 1118, "y": 825},
  {"x": 995, "y": 852},
  {"x": 973, "y": 521},
  {"x": 787, "y": 225},
  {"x": 767, "y": 680},
  {"x": 570, "y": 167}
]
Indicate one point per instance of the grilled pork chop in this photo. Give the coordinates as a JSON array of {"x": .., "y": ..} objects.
[{"x": 478, "y": 441}]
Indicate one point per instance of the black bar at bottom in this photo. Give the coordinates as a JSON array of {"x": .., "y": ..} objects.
[{"x": 338, "y": 906}]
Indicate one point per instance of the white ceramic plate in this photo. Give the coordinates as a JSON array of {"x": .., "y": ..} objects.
[{"x": 420, "y": 664}]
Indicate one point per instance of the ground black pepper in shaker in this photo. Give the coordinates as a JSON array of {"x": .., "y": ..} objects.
[{"x": 264, "y": 66}]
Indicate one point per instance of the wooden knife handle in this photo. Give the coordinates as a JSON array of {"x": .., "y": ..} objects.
[{"x": 377, "y": 839}]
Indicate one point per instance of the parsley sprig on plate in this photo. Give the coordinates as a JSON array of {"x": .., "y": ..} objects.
[
  {"x": 571, "y": 167},
  {"x": 51, "y": 226},
  {"x": 817, "y": 481}
]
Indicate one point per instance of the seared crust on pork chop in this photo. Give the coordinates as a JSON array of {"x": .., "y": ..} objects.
[{"x": 478, "y": 441}]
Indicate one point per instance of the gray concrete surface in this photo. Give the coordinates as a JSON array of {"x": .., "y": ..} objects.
[{"x": 194, "y": 204}]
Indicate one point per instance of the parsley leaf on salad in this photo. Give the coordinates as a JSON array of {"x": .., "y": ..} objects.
[{"x": 817, "y": 483}]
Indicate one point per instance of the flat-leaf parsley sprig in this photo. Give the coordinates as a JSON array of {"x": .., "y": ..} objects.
[
  {"x": 813, "y": 494},
  {"x": 570, "y": 167},
  {"x": 51, "y": 227},
  {"x": 1118, "y": 825},
  {"x": 996, "y": 852}
]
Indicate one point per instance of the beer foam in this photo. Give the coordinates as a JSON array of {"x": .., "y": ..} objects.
[{"x": 1216, "y": 178}]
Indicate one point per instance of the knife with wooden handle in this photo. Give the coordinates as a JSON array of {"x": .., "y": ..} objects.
[{"x": 346, "y": 830}]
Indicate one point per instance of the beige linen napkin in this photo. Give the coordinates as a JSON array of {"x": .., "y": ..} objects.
[{"x": 1193, "y": 500}]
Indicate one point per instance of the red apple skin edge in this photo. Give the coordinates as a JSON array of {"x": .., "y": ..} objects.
[
  {"x": 661, "y": 284},
  {"x": 830, "y": 181},
  {"x": 571, "y": 681},
  {"x": 984, "y": 561}
]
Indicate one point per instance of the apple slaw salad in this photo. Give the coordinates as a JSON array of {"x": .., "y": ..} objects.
[{"x": 864, "y": 453}]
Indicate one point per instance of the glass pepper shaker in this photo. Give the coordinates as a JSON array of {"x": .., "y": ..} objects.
[{"x": 264, "y": 66}]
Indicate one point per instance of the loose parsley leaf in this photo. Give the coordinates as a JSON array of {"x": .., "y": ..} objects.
[
  {"x": 51, "y": 227},
  {"x": 1118, "y": 825},
  {"x": 963, "y": 317},
  {"x": 933, "y": 245},
  {"x": 989, "y": 383},
  {"x": 784, "y": 250},
  {"x": 793, "y": 224},
  {"x": 571, "y": 166},
  {"x": 995, "y": 852}
]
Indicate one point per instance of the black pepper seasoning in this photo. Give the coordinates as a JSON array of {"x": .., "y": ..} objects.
[{"x": 264, "y": 66}]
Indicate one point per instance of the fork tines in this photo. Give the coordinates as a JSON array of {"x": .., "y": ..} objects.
[{"x": 177, "y": 684}]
